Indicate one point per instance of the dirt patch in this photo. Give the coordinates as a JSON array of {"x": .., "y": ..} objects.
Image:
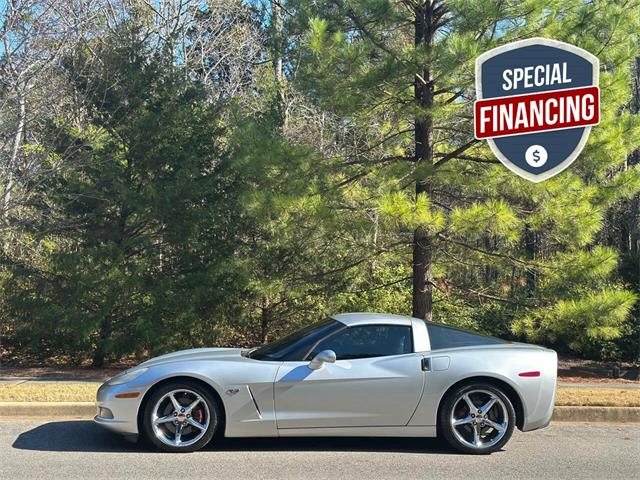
[
  {"x": 70, "y": 373},
  {"x": 576, "y": 370}
]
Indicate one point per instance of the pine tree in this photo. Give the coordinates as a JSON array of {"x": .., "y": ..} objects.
[
  {"x": 622, "y": 232},
  {"x": 510, "y": 254},
  {"x": 139, "y": 236}
]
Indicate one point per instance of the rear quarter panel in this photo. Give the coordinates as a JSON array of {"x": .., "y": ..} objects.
[{"x": 501, "y": 362}]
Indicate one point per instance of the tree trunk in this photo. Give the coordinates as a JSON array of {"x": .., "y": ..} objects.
[
  {"x": 490, "y": 271},
  {"x": 422, "y": 288},
  {"x": 422, "y": 243},
  {"x": 103, "y": 336},
  {"x": 98, "y": 357},
  {"x": 264, "y": 320},
  {"x": 530, "y": 248},
  {"x": 277, "y": 51},
  {"x": 8, "y": 181}
]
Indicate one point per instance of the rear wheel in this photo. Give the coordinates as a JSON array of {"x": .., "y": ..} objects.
[
  {"x": 477, "y": 418},
  {"x": 180, "y": 417}
]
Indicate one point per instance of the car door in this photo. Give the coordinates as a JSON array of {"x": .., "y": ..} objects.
[{"x": 376, "y": 380}]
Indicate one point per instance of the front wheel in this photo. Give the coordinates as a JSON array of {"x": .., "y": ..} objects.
[
  {"x": 477, "y": 418},
  {"x": 180, "y": 417}
]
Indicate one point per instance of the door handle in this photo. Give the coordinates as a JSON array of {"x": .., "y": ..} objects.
[{"x": 426, "y": 364}]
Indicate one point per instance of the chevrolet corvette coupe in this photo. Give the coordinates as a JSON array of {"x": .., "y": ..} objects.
[{"x": 355, "y": 374}]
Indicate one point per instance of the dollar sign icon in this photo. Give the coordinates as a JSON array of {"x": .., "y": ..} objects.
[{"x": 536, "y": 156}]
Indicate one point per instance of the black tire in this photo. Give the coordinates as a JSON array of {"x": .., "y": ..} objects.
[
  {"x": 188, "y": 386},
  {"x": 453, "y": 399}
]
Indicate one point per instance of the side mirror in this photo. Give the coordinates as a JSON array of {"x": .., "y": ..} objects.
[{"x": 325, "y": 356}]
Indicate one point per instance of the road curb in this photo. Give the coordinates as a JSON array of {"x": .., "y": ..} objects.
[{"x": 88, "y": 410}]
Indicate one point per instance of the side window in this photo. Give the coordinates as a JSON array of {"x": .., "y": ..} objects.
[
  {"x": 447, "y": 337},
  {"x": 367, "y": 341}
]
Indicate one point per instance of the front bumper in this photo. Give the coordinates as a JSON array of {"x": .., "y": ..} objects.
[{"x": 123, "y": 410}]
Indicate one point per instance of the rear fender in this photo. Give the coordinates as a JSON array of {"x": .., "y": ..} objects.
[{"x": 502, "y": 363}]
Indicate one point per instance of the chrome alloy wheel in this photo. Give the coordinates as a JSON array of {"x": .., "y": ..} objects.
[
  {"x": 479, "y": 419},
  {"x": 180, "y": 418}
]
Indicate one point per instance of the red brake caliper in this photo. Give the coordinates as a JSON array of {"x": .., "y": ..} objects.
[{"x": 198, "y": 414}]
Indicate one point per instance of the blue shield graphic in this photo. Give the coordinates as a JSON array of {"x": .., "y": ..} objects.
[{"x": 541, "y": 155}]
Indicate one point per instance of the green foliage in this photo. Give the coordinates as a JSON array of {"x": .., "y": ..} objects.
[
  {"x": 495, "y": 218},
  {"x": 174, "y": 214},
  {"x": 516, "y": 258},
  {"x": 404, "y": 211},
  {"x": 140, "y": 230},
  {"x": 578, "y": 324}
]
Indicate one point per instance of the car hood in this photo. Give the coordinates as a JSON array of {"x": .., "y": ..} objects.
[{"x": 194, "y": 354}]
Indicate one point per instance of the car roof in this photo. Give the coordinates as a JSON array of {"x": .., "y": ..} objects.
[{"x": 366, "y": 318}]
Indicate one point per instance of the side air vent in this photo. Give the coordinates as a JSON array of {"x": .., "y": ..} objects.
[{"x": 255, "y": 404}]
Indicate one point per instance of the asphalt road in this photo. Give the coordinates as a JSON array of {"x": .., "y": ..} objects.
[{"x": 81, "y": 450}]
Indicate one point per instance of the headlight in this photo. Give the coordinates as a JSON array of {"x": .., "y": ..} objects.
[{"x": 127, "y": 376}]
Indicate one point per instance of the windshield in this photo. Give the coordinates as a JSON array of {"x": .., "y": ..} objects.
[{"x": 296, "y": 345}]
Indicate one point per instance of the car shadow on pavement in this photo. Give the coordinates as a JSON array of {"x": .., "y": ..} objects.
[
  {"x": 72, "y": 436},
  {"x": 85, "y": 436},
  {"x": 333, "y": 444}
]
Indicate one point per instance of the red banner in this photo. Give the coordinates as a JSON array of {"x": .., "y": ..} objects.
[{"x": 537, "y": 112}]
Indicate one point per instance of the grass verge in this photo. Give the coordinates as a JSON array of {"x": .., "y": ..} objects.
[
  {"x": 49, "y": 392},
  {"x": 598, "y": 397},
  {"x": 86, "y": 392}
]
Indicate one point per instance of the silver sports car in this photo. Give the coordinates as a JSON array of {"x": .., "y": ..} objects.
[{"x": 356, "y": 374}]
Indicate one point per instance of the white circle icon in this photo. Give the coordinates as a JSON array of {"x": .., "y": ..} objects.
[{"x": 536, "y": 155}]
